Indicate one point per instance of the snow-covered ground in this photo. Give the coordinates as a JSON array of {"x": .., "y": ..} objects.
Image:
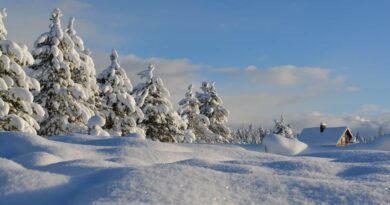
[{"x": 82, "y": 169}]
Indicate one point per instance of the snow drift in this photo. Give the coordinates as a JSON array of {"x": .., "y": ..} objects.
[
  {"x": 278, "y": 144},
  {"x": 83, "y": 169}
]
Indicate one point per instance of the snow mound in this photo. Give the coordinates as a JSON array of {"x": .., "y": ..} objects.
[
  {"x": 137, "y": 136},
  {"x": 13, "y": 144},
  {"x": 34, "y": 159},
  {"x": 96, "y": 121},
  {"x": 278, "y": 144},
  {"x": 16, "y": 179}
]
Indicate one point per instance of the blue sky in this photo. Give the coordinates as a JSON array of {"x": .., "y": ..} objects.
[{"x": 311, "y": 60}]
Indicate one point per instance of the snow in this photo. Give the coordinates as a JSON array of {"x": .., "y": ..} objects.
[
  {"x": 22, "y": 94},
  {"x": 95, "y": 124},
  {"x": 96, "y": 121},
  {"x": 381, "y": 143},
  {"x": 84, "y": 169},
  {"x": 3, "y": 84},
  {"x": 279, "y": 144},
  {"x": 147, "y": 74}
]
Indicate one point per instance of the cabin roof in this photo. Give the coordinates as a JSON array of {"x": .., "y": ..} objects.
[{"x": 330, "y": 136}]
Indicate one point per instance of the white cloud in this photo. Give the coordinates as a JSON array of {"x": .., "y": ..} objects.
[
  {"x": 286, "y": 75},
  {"x": 352, "y": 89}
]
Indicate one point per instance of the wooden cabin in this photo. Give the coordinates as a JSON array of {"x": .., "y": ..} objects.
[{"x": 326, "y": 136}]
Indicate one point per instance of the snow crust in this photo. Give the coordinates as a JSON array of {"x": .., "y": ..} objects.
[{"x": 84, "y": 169}]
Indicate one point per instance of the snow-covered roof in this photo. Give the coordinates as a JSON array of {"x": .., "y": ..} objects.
[{"x": 330, "y": 136}]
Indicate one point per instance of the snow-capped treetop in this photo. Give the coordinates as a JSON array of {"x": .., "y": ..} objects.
[
  {"x": 18, "y": 112},
  {"x": 282, "y": 128},
  {"x": 55, "y": 59},
  {"x": 13, "y": 51},
  {"x": 114, "y": 59},
  {"x": 114, "y": 77},
  {"x": 190, "y": 93},
  {"x": 197, "y": 124},
  {"x": 210, "y": 101},
  {"x": 118, "y": 105},
  {"x": 85, "y": 73},
  {"x": 48, "y": 44},
  {"x": 56, "y": 25},
  {"x": 189, "y": 104},
  {"x": 161, "y": 121},
  {"x": 148, "y": 74},
  {"x": 3, "y": 30},
  {"x": 211, "y": 107},
  {"x": 70, "y": 30}
]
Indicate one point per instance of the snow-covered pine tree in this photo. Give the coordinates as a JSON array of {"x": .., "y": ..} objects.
[
  {"x": 248, "y": 135},
  {"x": 282, "y": 128},
  {"x": 55, "y": 57},
  {"x": 18, "y": 112},
  {"x": 119, "y": 108},
  {"x": 197, "y": 123},
  {"x": 211, "y": 107},
  {"x": 161, "y": 122},
  {"x": 84, "y": 76}
]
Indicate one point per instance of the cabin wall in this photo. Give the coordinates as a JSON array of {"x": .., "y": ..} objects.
[{"x": 345, "y": 139}]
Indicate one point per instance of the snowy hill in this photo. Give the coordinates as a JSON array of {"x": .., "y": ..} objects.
[{"x": 82, "y": 169}]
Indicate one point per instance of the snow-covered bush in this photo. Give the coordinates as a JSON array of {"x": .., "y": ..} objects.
[
  {"x": 18, "y": 112},
  {"x": 197, "y": 124},
  {"x": 161, "y": 121},
  {"x": 121, "y": 113},
  {"x": 281, "y": 128},
  {"x": 211, "y": 107},
  {"x": 55, "y": 58},
  {"x": 95, "y": 124}
]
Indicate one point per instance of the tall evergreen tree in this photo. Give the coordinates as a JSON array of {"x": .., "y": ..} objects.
[
  {"x": 197, "y": 123},
  {"x": 18, "y": 112},
  {"x": 119, "y": 108},
  {"x": 55, "y": 57},
  {"x": 84, "y": 75},
  {"x": 161, "y": 121},
  {"x": 211, "y": 106}
]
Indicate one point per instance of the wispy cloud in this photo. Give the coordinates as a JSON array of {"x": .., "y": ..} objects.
[{"x": 286, "y": 75}]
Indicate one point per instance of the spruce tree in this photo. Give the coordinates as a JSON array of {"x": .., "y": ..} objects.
[
  {"x": 121, "y": 113},
  {"x": 197, "y": 123},
  {"x": 161, "y": 122},
  {"x": 211, "y": 107},
  {"x": 18, "y": 112},
  {"x": 84, "y": 75},
  {"x": 55, "y": 57}
]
